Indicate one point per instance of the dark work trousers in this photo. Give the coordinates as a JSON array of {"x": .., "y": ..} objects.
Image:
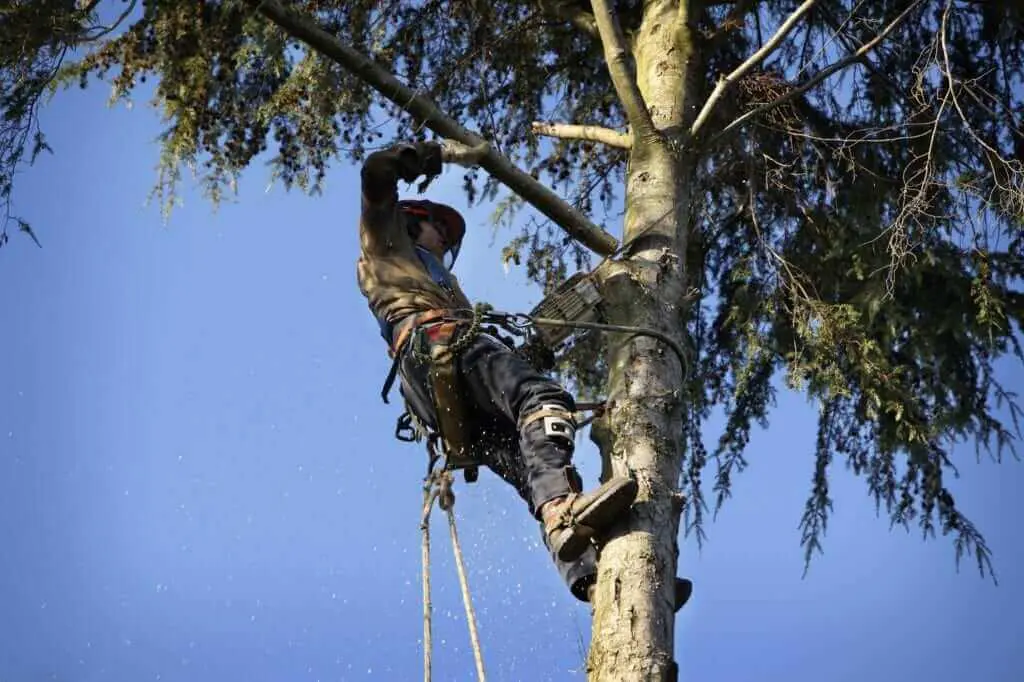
[{"x": 500, "y": 387}]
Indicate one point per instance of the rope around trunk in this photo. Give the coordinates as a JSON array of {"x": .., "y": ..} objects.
[{"x": 438, "y": 487}]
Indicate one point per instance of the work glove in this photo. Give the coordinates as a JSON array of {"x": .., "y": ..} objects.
[
  {"x": 453, "y": 151},
  {"x": 416, "y": 159}
]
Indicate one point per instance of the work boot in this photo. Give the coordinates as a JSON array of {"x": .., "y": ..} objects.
[
  {"x": 684, "y": 588},
  {"x": 570, "y": 522}
]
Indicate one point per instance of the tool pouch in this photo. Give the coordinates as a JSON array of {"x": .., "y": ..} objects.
[{"x": 452, "y": 415}]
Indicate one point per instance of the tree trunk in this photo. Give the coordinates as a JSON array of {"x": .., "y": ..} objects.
[{"x": 642, "y": 431}]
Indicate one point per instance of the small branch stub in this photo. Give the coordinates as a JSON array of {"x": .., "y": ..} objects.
[{"x": 570, "y": 131}]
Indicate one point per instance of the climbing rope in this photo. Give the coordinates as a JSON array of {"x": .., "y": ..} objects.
[
  {"x": 520, "y": 324},
  {"x": 438, "y": 487},
  {"x": 429, "y": 493},
  {"x": 521, "y": 320}
]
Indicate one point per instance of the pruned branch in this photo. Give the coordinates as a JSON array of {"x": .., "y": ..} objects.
[
  {"x": 618, "y": 66},
  {"x": 752, "y": 61},
  {"x": 818, "y": 77},
  {"x": 543, "y": 199},
  {"x": 569, "y": 131}
]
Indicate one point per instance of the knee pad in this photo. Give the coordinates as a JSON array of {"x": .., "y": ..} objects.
[{"x": 558, "y": 422}]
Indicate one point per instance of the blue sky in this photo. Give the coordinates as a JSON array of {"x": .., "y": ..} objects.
[{"x": 200, "y": 482}]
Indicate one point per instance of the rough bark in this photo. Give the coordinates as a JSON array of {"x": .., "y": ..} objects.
[{"x": 633, "y": 626}]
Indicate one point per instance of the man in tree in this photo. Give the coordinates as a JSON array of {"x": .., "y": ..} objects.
[{"x": 466, "y": 385}]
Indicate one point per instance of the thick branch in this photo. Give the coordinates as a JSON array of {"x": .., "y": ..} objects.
[
  {"x": 820, "y": 76},
  {"x": 569, "y": 131},
  {"x": 618, "y": 66},
  {"x": 750, "y": 63},
  {"x": 543, "y": 199}
]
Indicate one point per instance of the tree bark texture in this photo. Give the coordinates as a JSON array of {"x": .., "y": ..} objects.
[{"x": 642, "y": 432}]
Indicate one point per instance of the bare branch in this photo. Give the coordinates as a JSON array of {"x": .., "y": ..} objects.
[
  {"x": 820, "y": 76},
  {"x": 101, "y": 31},
  {"x": 750, "y": 63},
  {"x": 543, "y": 199},
  {"x": 837, "y": 26},
  {"x": 569, "y": 131},
  {"x": 618, "y": 66},
  {"x": 1006, "y": 175},
  {"x": 918, "y": 182}
]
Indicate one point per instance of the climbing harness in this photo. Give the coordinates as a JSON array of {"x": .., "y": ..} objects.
[
  {"x": 517, "y": 324},
  {"x": 438, "y": 486},
  {"x": 522, "y": 322},
  {"x": 445, "y": 334}
]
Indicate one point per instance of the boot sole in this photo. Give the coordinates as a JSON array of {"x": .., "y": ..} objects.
[
  {"x": 604, "y": 510},
  {"x": 684, "y": 589}
]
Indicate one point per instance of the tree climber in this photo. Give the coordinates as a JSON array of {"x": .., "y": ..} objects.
[{"x": 485, "y": 401}]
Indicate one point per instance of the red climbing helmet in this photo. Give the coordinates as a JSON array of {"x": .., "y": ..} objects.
[{"x": 447, "y": 220}]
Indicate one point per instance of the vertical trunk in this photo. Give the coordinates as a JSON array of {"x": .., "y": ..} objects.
[{"x": 642, "y": 432}]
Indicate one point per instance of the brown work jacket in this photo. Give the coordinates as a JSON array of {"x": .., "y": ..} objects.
[{"x": 391, "y": 275}]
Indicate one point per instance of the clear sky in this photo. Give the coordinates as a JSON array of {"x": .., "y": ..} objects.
[{"x": 200, "y": 482}]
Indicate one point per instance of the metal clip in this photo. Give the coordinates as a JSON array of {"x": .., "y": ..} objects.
[{"x": 405, "y": 430}]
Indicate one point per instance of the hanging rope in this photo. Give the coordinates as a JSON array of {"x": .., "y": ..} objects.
[
  {"x": 429, "y": 493},
  {"x": 466, "y": 600},
  {"x": 439, "y": 487}
]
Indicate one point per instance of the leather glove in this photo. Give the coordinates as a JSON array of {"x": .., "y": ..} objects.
[{"x": 415, "y": 160}]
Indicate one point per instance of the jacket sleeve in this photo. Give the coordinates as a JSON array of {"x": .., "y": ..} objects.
[{"x": 382, "y": 170}]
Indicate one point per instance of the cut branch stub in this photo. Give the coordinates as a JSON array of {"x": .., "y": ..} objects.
[{"x": 590, "y": 133}]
